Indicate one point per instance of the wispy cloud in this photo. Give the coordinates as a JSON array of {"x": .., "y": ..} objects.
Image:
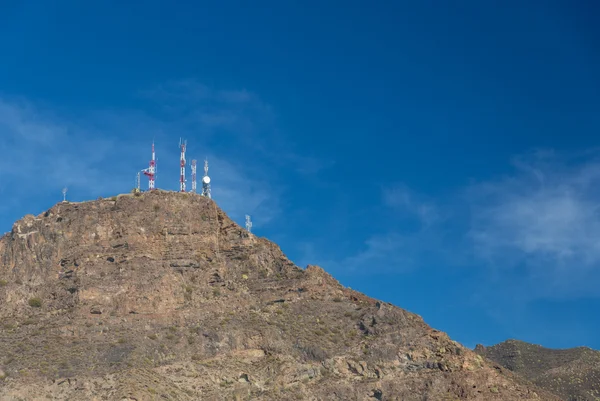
[
  {"x": 189, "y": 103},
  {"x": 230, "y": 116},
  {"x": 544, "y": 219},
  {"x": 406, "y": 201},
  {"x": 383, "y": 253},
  {"x": 39, "y": 150},
  {"x": 411, "y": 235},
  {"x": 240, "y": 194},
  {"x": 534, "y": 232}
]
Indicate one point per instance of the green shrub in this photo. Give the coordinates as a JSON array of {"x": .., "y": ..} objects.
[
  {"x": 3, "y": 283},
  {"x": 35, "y": 302}
]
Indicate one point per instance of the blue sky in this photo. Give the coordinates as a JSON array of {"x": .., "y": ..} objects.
[{"x": 440, "y": 156}]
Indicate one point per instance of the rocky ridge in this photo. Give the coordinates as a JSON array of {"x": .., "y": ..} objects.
[
  {"x": 572, "y": 373},
  {"x": 162, "y": 296}
]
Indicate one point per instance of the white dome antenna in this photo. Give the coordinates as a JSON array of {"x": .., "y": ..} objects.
[{"x": 206, "y": 181}]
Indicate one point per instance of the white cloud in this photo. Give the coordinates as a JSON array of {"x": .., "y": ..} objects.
[
  {"x": 38, "y": 150},
  {"x": 239, "y": 193},
  {"x": 404, "y": 200},
  {"x": 382, "y": 253},
  {"x": 545, "y": 219}
]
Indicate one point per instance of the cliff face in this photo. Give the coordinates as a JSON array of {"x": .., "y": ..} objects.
[
  {"x": 162, "y": 296},
  {"x": 572, "y": 373}
]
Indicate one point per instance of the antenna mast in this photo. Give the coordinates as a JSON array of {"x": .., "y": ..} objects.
[
  {"x": 137, "y": 182},
  {"x": 194, "y": 184},
  {"x": 248, "y": 224},
  {"x": 64, "y": 192},
  {"x": 206, "y": 181},
  {"x": 182, "y": 143},
  {"x": 150, "y": 172}
]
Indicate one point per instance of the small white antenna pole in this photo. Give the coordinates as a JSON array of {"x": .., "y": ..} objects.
[
  {"x": 64, "y": 192},
  {"x": 137, "y": 181},
  {"x": 194, "y": 176},
  {"x": 182, "y": 144},
  {"x": 248, "y": 224}
]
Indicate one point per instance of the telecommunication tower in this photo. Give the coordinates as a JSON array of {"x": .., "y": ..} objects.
[
  {"x": 206, "y": 181},
  {"x": 248, "y": 224},
  {"x": 150, "y": 172},
  {"x": 194, "y": 176},
  {"x": 137, "y": 182},
  {"x": 64, "y": 192},
  {"x": 182, "y": 144}
]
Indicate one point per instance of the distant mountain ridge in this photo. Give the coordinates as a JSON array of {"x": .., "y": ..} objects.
[{"x": 572, "y": 373}]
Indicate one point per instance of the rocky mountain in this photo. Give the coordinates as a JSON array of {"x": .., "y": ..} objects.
[
  {"x": 162, "y": 296},
  {"x": 573, "y": 373}
]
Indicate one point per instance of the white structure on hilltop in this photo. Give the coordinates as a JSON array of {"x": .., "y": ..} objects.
[
  {"x": 194, "y": 184},
  {"x": 150, "y": 172},
  {"x": 206, "y": 181},
  {"x": 182, "y": 144},
  {"x": 248, "y": 223}
]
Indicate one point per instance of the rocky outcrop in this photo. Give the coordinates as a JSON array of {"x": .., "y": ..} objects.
[
  {"x": 572, "y": 373},
  {"x": 162, "y": 296}
]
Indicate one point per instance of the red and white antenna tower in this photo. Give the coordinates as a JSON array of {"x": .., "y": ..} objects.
[
  {"x": 150, "y": 172},
  {"x": 182, "y": 143},
  {"x": 194, "y": 176}
]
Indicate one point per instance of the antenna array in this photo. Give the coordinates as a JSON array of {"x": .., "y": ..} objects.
[{"x": 151, "y": 171}]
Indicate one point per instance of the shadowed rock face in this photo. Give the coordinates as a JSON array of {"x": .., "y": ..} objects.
[
  {"x": 572, "y": 373},
  {"x": 162, "y": 296}
]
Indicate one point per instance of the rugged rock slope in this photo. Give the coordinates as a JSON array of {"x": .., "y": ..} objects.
[
  {"x": 572, "y": 373},
  {"x": 162, "y": 296}
]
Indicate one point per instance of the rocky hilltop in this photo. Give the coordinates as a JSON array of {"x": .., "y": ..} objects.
[
  {"x": 572, "y": 373},
  {"x": 162, "y": 296}
]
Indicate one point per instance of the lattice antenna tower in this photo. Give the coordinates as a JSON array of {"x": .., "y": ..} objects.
[
  {"x": 182, "y": 144},
  {"x": 194, "y": 183},
  {"x": 138, "y": 181},
  {"x": 248, "y": 224},
  {"x": 150, "y": 172},
  {"x": 64, "y": 192},
  {"x": 206, "y": 181}
]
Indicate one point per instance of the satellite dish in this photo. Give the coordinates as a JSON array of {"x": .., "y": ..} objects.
[{"x": 206, "y": 179}]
